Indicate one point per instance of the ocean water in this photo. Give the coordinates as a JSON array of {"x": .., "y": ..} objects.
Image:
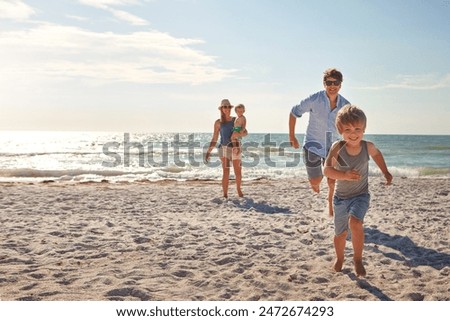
[{"x": 130, "y": 157}]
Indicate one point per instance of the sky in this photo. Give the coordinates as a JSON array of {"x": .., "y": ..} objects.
[{"x": 165, "y": 65}]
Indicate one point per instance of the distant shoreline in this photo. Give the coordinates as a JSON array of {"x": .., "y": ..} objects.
[
  {"x": 263, "y": 180},
  {"x": 183, "y": 133}
]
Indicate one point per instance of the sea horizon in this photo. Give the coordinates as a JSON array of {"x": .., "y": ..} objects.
[
  {"x": 189, "y": 132},
  {"x": 80, "y": 156}
]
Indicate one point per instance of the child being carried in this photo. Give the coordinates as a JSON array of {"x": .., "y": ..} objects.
[{"x": 239, "y": 127}]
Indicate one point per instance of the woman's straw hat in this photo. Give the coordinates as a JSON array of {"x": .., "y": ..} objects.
[{"x": 225, "y": 102}]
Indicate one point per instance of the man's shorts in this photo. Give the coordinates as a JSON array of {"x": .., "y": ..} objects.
[
  {"x": 356, "y": 206},
  {"x": 227, "y": 152},
  {"x": 313, "y": 164}
]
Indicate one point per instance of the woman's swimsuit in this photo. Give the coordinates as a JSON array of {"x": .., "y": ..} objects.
[{"x": 226, "y": 130}]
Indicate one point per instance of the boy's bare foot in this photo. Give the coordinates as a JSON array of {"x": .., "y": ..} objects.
[
  {"x": 337, "y": 266},
  {"x": 316, "y": 188},
  {"x": 359, "y": 268},
  {"x": 240, "y": 193},
  {"x": 225, "y": 195}
]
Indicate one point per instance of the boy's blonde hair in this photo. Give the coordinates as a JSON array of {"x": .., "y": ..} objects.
[
  {"x": 240, "y": 106},
  {"x": 350, "y": 114}
]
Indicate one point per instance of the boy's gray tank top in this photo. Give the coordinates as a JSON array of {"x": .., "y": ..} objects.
[{"x": 347, "y": 189}]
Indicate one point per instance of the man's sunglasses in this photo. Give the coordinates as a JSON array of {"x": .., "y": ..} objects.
[{"x": 332, "y": 82}]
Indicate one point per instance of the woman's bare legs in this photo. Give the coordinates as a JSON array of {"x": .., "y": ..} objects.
[
  {"x": 225, "y": 175},
  {"x": 237, "y": 166}
]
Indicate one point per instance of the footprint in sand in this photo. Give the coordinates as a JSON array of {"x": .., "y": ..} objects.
[
  {"x": 416, "y": 296},
  {"x": 128, "y": 292},
  {"x": 183, "y": 273}
]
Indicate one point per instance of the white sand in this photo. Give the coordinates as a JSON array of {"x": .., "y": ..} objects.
[{"x": 181, "y": 241}]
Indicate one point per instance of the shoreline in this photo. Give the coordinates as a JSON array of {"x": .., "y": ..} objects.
[
  {"x": 176, "y": 241},
  {"x": 248, "y": 181}
]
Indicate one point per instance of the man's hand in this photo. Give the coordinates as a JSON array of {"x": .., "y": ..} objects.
[
  {"x": 294, "y": 142},
  {"x": 389, "y": 178}
]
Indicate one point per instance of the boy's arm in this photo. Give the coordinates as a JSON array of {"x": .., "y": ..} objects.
[
  {"x": 330, "y": 163},
  {"x": 378, "y": 158}
]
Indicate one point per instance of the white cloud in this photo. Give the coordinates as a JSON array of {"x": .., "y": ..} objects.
[
  {"x": 415, "y": 82},
  {"x": 54, "y": 52},
  {"x": 15, "y": 10},
  {"x": 109, "y": 5},
  {"x": 78, "y": 18},
  {"x": 128, "y": 17},
  {"x": 105, "y": 3}
]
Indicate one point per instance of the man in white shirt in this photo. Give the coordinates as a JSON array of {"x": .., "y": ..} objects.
[{"x": 321, "y": 131}]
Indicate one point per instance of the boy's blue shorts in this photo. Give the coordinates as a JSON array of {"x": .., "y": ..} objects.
[{"x": 356, "y": 206}]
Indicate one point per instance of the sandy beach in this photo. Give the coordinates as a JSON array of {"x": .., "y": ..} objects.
[{"x": 182, "y": 241}]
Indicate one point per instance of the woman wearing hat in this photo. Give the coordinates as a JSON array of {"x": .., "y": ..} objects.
[{"x": 224, "y": 126}]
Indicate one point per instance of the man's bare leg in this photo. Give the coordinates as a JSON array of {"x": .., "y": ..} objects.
[{"x": 315, "y": 183}]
